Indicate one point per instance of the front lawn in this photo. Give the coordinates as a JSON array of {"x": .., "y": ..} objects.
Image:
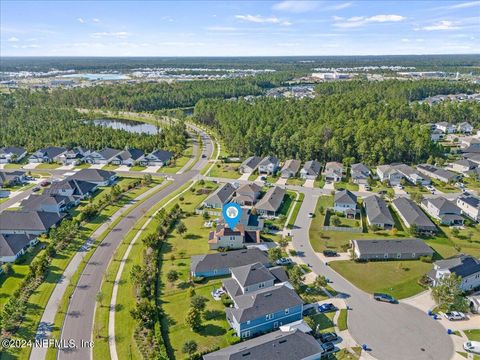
[
  {"x": 110, "y": 167},
  {"x": 295, "y": 181},
  {"x": 179, "y": 162},
  {"x": 48, "y": 166},
  {"x": 324, "y": 322},
  {"x": 82, "y": 166},
  {"x": 346, "y": 186},
  {"x": 397, "y": 278},
  {"x": 296, "y": 209},
  {"x": 138, "y": 168},
  {"x": 473, "y": 335},
  {"x": 225, "y": 170},
  {"x": 342, "y": 320}
]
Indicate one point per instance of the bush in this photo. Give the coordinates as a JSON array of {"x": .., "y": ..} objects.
[
  {"x": 226, "y": 301},
  {"x": 426, "y": 259},
  {"x": 198, "y": 279}
]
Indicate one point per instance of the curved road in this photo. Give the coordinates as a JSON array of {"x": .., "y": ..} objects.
[{"x": 78, "y": 324}]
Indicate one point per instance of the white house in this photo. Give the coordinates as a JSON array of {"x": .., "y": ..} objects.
[
  {"x": 390, "y": 174},
  {"x": 470, "y": 206},
  {"x": 268, "y": 165},
  {"x": 443, "y": 210},
  {"x": 465, "y": 266},
  {"x": 464, "y": 128},
  {"x": 345, "y": 202},
  {"x": 446, "y": 127},
  {"x": 12, "y": 154}
]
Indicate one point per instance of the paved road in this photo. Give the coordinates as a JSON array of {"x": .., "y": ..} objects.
[{"x": 78, "y": 323}]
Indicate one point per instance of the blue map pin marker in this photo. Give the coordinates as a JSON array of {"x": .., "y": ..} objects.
[{"x": 232, "y": 213}]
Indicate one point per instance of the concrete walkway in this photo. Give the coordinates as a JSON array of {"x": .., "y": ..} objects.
[{"x": 30, "y": 166}]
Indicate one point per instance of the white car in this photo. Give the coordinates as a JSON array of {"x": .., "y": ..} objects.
[
  {"x": 310, "y": 215},
  {"x": 430, "y": 187},
  {"x": 399, "y": 186},
  {"x": 472, "y": 346},
  {"x": 455, "y": 315}
]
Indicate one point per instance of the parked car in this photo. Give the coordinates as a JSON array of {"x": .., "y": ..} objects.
[
  {"x": 330, "y": 253},
  {"x": 472, "y": 346},
  {"x": 45, "y": 183},
  {"x": 328, "y": 337},
  {"x": 460, "y": 185},
  {"x": 430, "y": 187},
  {"x": 309, "y": 311},
  {"x": 263, "y": 178},
  {"x": 35, "y": 189},
  {"x": 284, "y": 261},
  {"x": 328, "y": 347},
  {"x": 328, "y": 307},
  {"x": 455, "y": 315},
  {"x": 399, "y": 186},
  {"x": 367, "y": 187},
  {"x": 310, "y": 215},
  {"x": 385, "y": 298},
  {"x": 204, "y": 156}
]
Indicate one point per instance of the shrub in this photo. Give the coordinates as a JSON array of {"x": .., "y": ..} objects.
[{"x": 198, "y": 279}]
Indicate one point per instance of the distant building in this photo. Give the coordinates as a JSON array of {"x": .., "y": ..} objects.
[
  {"x": 438, "y": 173},
  {"x": 47, "y": 155},
  {"x": 390, "y": 249},
  {"x": 465, "y": 128},
  {"x": 445, "y": 127},
  {"x": 463, "y": 166},
  {"x": 104, "y": 156}
]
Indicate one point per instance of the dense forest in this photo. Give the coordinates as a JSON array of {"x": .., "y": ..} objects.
[
  {"x": 32, "y": 121},
  {"x": 373, "y": 122}
]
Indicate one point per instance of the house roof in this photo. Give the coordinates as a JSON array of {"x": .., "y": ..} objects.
[
  {"x": 108, "y": 153},
  {"x": 52, "y": 151},
  {"x": 392, "y": 246},
  {"x": 462, "y": 265},
  {"x": 222, "y": 194},
  {"x": 345, "y": 197},
  {"x": 291, "y": 165},
  {"x": 251, "y": 187},
  {"x": 437, "y": 171},
  {"x": 79, "y": 187},
  {"x": 11, "y": 244},
  {"x": 470, "y": 200},
  {"x": 133, "y": 154},
  {"x": 377, "y": 211},
  {"x": 413, "y": 214},
  {"x": 162, "y": 155},
  {"x": 268, "y": 160},
  {"x": 35, "y": 202},
  {"x": 92, "y": 175},
  {"x": 465, "y": 162},
  {"x": 312, "y": 167},
  {"x": 28, "y": 220},
  {"x": 225, "y": 230},
  {"x": 359, "y": 167},
  {"x": 252, "y": 162},
  {"x": 445, "y": 206},
  {"x": 278, "y": 345},
  {"x": 251, "y": 274},
  {"x": 14, "y": 150},
  {"x": 266, "y": 301},
  {"x": 272, "y": 199},
  {"x": 464, "y": 124},
  {"x": 229, "y": 259},
  {"x": 7, "y": 176}
]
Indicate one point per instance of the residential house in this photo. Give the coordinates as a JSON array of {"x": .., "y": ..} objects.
[
  {"x": 96, "y": 176},
  {"x": 345, "y": 201},
  {"x": 411, "y": 214},
  {"x": 465, "y": 266},
  {"x": 391, "y": 249},
  {"x": 473, "y": 157},
  {"x": 128, "y": 157},
  {"x": 226, "y": 238},
  {"x": 249, "y": 165},
  {"x": 470, "y": 143},
  {"x": 388, "y": 173},
  {"x": 220, "y": 197},
  {"x": 272, "y": 201},
  {"x": 278, "y": 345},
  {"x": 28, "y": 222},
  {"x": 436, "y": 135},
  {"x": 290, "y": 168},
  {"x": 470, "y": 206},
  {"x": 412, "y": 175},
  {"x": 251, "y": 222},
  {"x": 12, "y": 246},
  {"x": 333, "y": 171},
  {"x": 377, "y": 212},
  {"x": 219, "y": 264},
  {"x": 268, "y": 165},
  {"x": 78, "y": 189},
  {"x": 49, "y": 154},
  {"x": 463, "y": 166},
  {"x": 48, "y": 203},
  {"x": 11, "y": 178},
  {"x": 446, "y": 127},
  {"x": 443, "y": 210},
  {"x": 104, "y": 156},
  {"x": 359, "y": 173},
  {"x": 465, "y": 128},
  {"x": 157, "y": 158},
  {"x": 438, "y": 173},
  {"x": 247, "y": 194},
  {"x": 12, "y": 154},
  {"x": 74, "y": 156},
  {"x": 311, "y": 170}
]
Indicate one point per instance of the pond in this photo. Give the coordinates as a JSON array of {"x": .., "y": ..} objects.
[{"x": 128, "y": 125}]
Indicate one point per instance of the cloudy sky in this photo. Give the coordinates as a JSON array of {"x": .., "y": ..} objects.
[{"x": 238, "y": 28}]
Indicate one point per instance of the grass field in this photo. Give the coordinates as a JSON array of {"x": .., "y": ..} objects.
[
  {"x": 346, "y": 185},
  {"x": 473, "y": 335},
  {"x": 225, "y": 170},
  {"x": 83, "y": 166},
  {"x": 48, "y": 166},
  {"x": 180, "y": 162},
  {"x": 295, "y": 181},
  {"x": 110, "y": 167}
]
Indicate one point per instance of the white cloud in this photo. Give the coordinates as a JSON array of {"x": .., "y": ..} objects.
[
  {"x": 95, "y": 20},
  {"x": 405, "y": 40},
  {"x": 221, "y": 28},
  {"x": 117, "y": 34},
  {"x": 295, "y": 6},
  {"x": 13, "y": 39},
  {"x": 263, "y": 20},
  {"x": 357, "y": 21},
  {"x": 31, "y": 46},
  {"x": 464, "y": 5},
  {"x": 340, "y": 6},
  {"x": 440, "y": 25},
  {"x": 81, "y": 20}
]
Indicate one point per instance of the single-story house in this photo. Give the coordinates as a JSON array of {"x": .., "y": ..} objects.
[
  {"x": 436, "y": 135},
  {"x": 311, "y": 170},
  {"x": 465, "y": 266},
  {"x": 12, "y": 154},
  {"x": 77, "y": 189},
  {"x": 247, "y": 194},
  {"x": 389, "y": 173},
  {"x": 390, "y": 249},
  {"x": 411, "y": 214},
  {"x": 226, "y": 238},
  {"x": 272, "y": 201},
  {"x": 11, "y": 178},
  {"x": 465, "y": 128},
  {"x": 219, "y": 264},
  {"x": 12, "y": 246},
  {"x": 47, "y": 155},
  {"x": 128, "y": 157},
  {"x": 333, "y": 171},
  {"x": 412, "y": 175},
  {"x": 359, "y": 173},
  {"x": 290, "y": 168},
  {"x": 345, "y": 201},
  {"x": 470, "y": 206},
  {"x": 249, "y": 165},
  {"x": 377, "y": 213},
  {"x": 438, "y": 173},
  {"x": 443, "y": 210},
  {"x": 48, "y": 203},
  {"x": 28, "y": 222},
  {"x": 268, "y": 165},
  {"x": 96, "y": 176},
  {"x": 220, "y": 197},
  {"x": 157, "y": 158},
  {"x": 446, "y": 127},
  {"x": 104, "y": 156},
  {"x": 463, "y": 166},
  {"x": 470, "y": 142}
]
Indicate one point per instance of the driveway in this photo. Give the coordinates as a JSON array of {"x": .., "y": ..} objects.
[
  {"x": 309, "y": 183},
  {"x": 152, "y": 169},
  {"x": 281, "y": 181},
  {"x": 399, "y": 192},
  {"x": 245, "y": 176},
  {"x": 329, "y": 186}
]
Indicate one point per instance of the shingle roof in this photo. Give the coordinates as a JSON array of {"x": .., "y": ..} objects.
[
  {"x": 52, "y": 151},
  {"x": 35, "y": 202},
  {"x": 268, "y": 160},
  {"x": 8, "y": 176},
  {"x": 359, "y": 167},
  {"x": 462, "y": 265},
  {"x": 251, "y": 274},
  {"x": 251, "y": 187},
  {"x": 222, "y": 194},
  {"x": 444, "y": 205},
  {"x": 312, "y": 167},
  {"x": 291, "y": 165},
  {"x": 11, "y": 244},
  {"x": 28, "y": 220},
  {"x": 133, "y": 154},
  {"x": 162, "y": 155},
  {"x": 252, "y": 162},
  {"x": 108, "y": 153},
  {"x": 272, "y": 199},
  {"x": 92, "y": 175},
  {"x": 392, "y": 246},
  {"x": 13, "y": 150},
  {"x": 470, "y": 200},
  {"x": 229, "y": 259},
  {"x": 276, "y": 345},
  {"x": 345, "y": 197},
  {"x": 413, "y": 214},
  {"x": 377, "y": 211},
  {"x": 79, "y": 187}
]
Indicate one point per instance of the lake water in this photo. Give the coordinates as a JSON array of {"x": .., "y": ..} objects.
[
  {"x": 98, "y": 76},
  {"x": 127, "y": 125}
]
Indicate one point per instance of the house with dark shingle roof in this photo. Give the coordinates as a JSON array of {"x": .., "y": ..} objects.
[
  {"x": 249, "y": 165},
  {"x": 390, "y": 249},
  {"x": 220, "y": 197},
  {"x": 268, "y": 165},
  {"x": 74, "y": 156},
  {"x": 345, "y": 201},
  {"x": 95, "y": 176},
  {"x": 247, "y": 279},
  {"x": 28, "y": 222},
  {"x": 226, "y": 238},
  {"x": 290, "y": 168},
  {"x": 11, "y": 178},
  {"x": 13, "y": 246},
  {"x": 104, "y": 156},
  {"x": 377, "y": 212},
  {"x": 271, "y": 202},
  {"x": 443, "y": 210},
  {"x": 463, "y": 166},
  {"x": 78, "y": 189},
  {"x": 359, "y": 173},
  {"x": 311, "y": 170},
  {"x": 128, "y": 157},
  {"x": 157, "y": 158},
  {"x": 278, "y": 345},
  {"x": 411, "y": 214},
  {"x": 48, "y": 203},
  {"x": 12, "y": 154},
  {"x": 438, "y": 173},
  {"x": 247, "y": 194},
  {"x": 465, "y": 266},
  {"x": 47, "y": 155}
]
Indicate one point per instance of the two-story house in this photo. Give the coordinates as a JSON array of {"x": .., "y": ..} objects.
[
  {"x": 12, "y": 154},
  {"x": 333, "y": 171},
  {"x": 359, "y": 173},
  {"x": 465, "y": 128},
  {"x": 443, "y": 210},
  {"x": 465, "y": 266},
  {"x": 268, "y": 165},
  {"x": 311, "y": 170},
  {"x": 389, "y": 173},
  {"x": 47, "y": 155},
  {"x": 157, "y": 158},
  {"x": 290, "y": 168},
  {"x": 247, "y": 194},
  {"x": 446, "y": 127},
  {"x": 226, "y": 238},
  {"x": 470, "y": 206},
  {"x": 249, "y": 165},
  {"x": 345, "y": 201}
]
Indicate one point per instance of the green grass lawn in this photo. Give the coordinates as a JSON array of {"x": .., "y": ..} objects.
[
  {"x": 471, "y": 183},
  {"x": 473, "y": 335},
  {"x": 48, "y": 166},
  {"x": 296, "y": 209},
  {"x": 295, "y": 181},
  {"x": 344, "y": 354},
  {"x": 346, "y": 185},
  {"x": 324, "y": 321},
  {"x": 180, "y": 162},
  {"x": 14, "y": 165},
  {"x": 446, "y": 188},
  {"x": 397, "y": 278},
  {"x": 319, "y": 183},
  {"x": 138, "y": 168},
  {"x": 253, "y": 176},
  {"x": 225, "y": 170},
  {"x": 82, "y": 166},
  {"x": 110, "y": 167},
  {"x": 342, "y": 320}
]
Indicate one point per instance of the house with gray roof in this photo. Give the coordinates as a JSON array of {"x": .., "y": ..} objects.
[
  {"x": 11, "y": 178},
  {"x": 345, "y": 201},
  {"x": 73, "y": 156},
  {"x": 104, "y": 156},
  {"x": 219, "y": 264},
  {"x": 248, "y": 278},
  {"x": 48, "y": 203},
  {"x": 271, "y": 202},
  {"x": 96, "y": 176},
  {"x": 249, "y": 165},
  {"x": 359, "y": 173},
  {"x": 12, "y": 154},
  {"x": 333, "y": 171},
  {"x": 220, "y": 197},
  {"x": 311, "y": 170},
  {"x": 290, "y": 168},
  {"x": 128, "y": 157},
  {"x": 465, "y": 266},
  {"x": 446, "y": 127},
  {"x": 78, "y": 189},
  {"x": 12, "y": 246},
  {"x": 465, "y": 128},
  {"x": 411, "y": 214},
  {"x": 463, "y": 166},
  {"x": 412, "y": 175},
  {"x": 470, "y": 206},
  {"x": 377, "y": 212},
  {"x": 278, "y": 345},
  {"x": 28, "y": 222},
  {"x": 388, "y": 173},
  {"x": 390, "y": 249},
  {"x": 443, "y": 210},
  {"x": 47, "y": 155},
  {"x": 438, "y": 173},
  {"x": 157, "y": 158},
  {"x": 268, "y": 165},
  {"x": 247, "y": 194}
]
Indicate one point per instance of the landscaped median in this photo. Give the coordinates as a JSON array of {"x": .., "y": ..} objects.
[{"x": 296, "y": 208}]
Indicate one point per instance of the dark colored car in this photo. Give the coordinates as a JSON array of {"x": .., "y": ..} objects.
[
  {"x": 328, "y": 347},
  {"x": 384, "y": 298},
  {"x": 328, "y": 337},
  {"x": 204, "y": 156},
  {"x": 329, "y": 307},
  {"x": 309, "y": 311},
  {"x": 330, "y": 253},
  {"x": 45, "y": 183}
]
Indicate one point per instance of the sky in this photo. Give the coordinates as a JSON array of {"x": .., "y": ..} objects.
[{"x": 238, "y": 28}]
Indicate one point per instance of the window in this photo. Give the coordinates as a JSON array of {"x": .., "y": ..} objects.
[
  {"x": 269, "y": 316},
  {"x": 248, "y": 322},
  {"x": 287, "y": 311},
  {"x": 385, "y": 255},
  {"x": 399, "y": 256},
  {"x": 413, "y": 255},
  {"x": 261, "y": 285}
]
